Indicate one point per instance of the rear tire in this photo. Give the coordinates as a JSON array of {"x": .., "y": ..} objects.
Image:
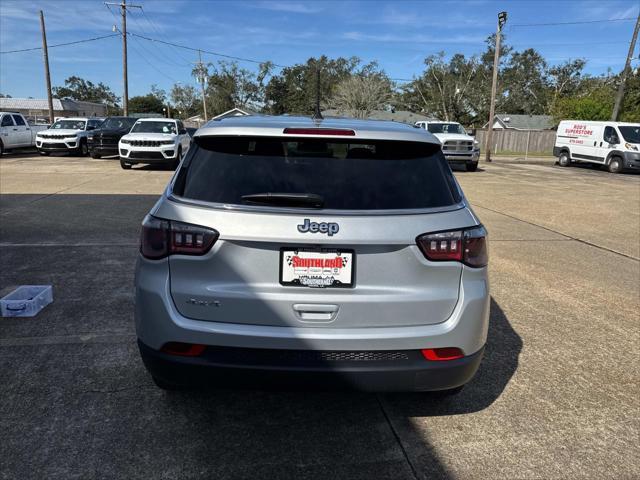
[
  {"x": 472, "y": 167},
  {"x": 615, "y": 165},
  {"x": 125, "y": 165},
  {"x": 1, "y": 149},
  {"x": 564, "y": 160}
]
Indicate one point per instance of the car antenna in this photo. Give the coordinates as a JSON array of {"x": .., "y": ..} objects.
[{"x": 317, "y": 115}]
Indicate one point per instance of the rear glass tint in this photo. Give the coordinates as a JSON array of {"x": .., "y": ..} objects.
[{"x": 347, "y": 174}]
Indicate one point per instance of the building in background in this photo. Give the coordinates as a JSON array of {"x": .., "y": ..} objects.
[
  {"x": 506, "y": 121},
  {"x": 36, "y": 110}
]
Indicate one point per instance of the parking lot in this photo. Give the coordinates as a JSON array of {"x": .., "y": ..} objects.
[{"x": 557, "y": 395}]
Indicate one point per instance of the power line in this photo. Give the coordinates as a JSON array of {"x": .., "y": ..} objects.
[
  {"x": 61, "y": 44},
  {"x": 157, "y": 30},
  {"x": 217, "y": 54},
  {"x": 553, "y": 24}
]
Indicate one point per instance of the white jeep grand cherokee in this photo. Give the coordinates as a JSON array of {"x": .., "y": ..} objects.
[{"x": 154, "y": 140}]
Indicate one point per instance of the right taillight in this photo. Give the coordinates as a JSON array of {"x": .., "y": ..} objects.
[
  {"x": 161, "y": 238},
  {"x": 468, "y": 246}
]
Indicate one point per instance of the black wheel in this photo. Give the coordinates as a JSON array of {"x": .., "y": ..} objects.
[
  {"x": 472, "y": 167},
  {"x": 564, "y": 160},
  {"x": 125, "y": 165},
  {"x": 44, "y": 154},
  {"x": 615, "y": 165},
  {"x": 83, "y": 150},
  {"x": 170, "y": 387},
  {"x": 95, "y": 155},
  {"x": 1, "y": 149}
]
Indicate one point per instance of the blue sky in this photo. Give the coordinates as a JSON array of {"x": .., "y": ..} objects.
[{"x": 398, "y": 34}]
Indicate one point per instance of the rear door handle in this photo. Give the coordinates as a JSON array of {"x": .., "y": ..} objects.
[{"x": 315, "y": 313}]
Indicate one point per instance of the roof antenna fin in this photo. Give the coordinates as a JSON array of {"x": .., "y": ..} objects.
[{"x": 317, "y": 115}]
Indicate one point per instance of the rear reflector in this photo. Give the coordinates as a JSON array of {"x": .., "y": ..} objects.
[
  {"x": 183, "y": 349},
  {"x": 442, "y": 354},
  {"x": 320, "y": 131}
]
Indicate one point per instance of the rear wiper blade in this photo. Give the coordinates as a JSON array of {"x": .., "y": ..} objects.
[{"x": 305, "y": 200}]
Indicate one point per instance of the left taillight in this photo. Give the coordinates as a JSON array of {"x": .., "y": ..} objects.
[
  {"x": 161, "y": 238},
  {"x": 468, "y": 246}
]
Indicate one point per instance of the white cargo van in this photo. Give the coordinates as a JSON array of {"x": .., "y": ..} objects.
[{"x": 614, "y": 144}]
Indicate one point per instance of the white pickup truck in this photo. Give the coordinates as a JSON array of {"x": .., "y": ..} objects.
[
  {"x": 15, "y": 132},
  {"x": 458, "y": 146}
]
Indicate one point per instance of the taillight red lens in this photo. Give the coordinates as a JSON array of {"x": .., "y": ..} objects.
[
  {"x": 161, "y": 238},
  {"x": 467, "y": 246},
  {"x": 442, "y": 354},
  {"x": 183, "y": 349},
  {"x": 320, "y": 131}
]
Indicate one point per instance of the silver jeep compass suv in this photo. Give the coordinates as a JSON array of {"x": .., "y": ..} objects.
[{"x": 338, "y": 253}]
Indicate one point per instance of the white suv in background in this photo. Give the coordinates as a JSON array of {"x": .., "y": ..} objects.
[
  {"x": 67, "y": 135},
  {"x": 154, "y": 140},
  {"x": 458, "y": 146}
]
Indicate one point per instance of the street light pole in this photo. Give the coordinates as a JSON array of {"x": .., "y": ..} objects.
[{"x": 502, "y": 19}]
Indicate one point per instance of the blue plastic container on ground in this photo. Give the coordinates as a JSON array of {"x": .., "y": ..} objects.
[{"x": 26, "y": 301}]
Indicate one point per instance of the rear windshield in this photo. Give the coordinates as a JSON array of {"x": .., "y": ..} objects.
[{"x": 346, "y": 174}]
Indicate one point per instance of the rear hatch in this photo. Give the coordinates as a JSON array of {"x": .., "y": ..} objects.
[{"x": 315, "y": 232}]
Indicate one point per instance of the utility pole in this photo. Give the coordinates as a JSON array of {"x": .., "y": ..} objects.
[
  {"x": 317, "y": 114},
  {"x": 47, "y": 75},
  {"x": 201, "y": 78},
  {"x": 502, "y": 19},
  {"x": 123, "y": 10},
  {"x": 625, "y": 72}
]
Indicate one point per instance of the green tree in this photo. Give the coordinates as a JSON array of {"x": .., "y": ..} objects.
[
  {"x": 359, "y": 95},
  {"x": 186, "y": 100},
  {"x": 148, "y": 103},
  {"x": 630, "y": 111},
  {"x": 230, "y": 86},
  {"x": 80, "y": 89},
  {"x": 524, "y": 83},
  {"x": 596, "y": 104},
  {"x": 293, "y": 90}
]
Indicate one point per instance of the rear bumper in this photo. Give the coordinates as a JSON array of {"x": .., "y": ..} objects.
[{"x": 223, "y": 366}]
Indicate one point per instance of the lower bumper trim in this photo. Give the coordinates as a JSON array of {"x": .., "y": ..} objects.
[{"x": 264, "y": 368}]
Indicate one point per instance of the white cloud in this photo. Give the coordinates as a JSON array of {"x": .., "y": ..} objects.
[
  {"x": 412, "y": 38},
  {"x": 290, "y": 7}
]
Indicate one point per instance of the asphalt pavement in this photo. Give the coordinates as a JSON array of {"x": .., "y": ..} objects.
[{"x": 557, "y": 394}]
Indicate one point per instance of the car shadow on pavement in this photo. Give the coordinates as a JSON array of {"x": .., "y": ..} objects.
[{"x": 499, "y": 364}]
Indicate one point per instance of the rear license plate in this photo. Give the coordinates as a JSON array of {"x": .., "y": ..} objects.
[{"x": 318, "y": 268}]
